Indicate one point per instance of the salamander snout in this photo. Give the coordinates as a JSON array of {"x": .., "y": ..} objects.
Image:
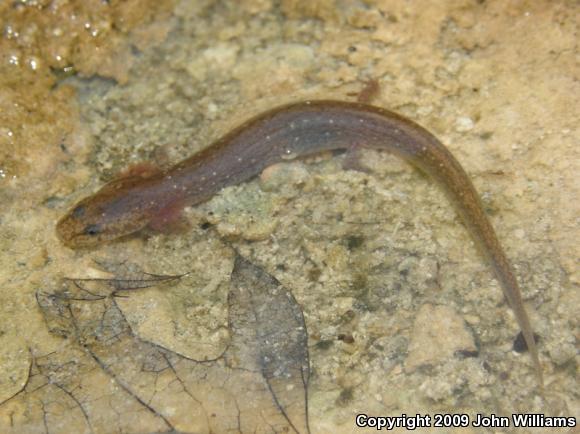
[{"x": 80, "y": 227}]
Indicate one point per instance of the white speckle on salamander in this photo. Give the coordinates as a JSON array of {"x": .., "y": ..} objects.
[{"x": 288, "y": 155}]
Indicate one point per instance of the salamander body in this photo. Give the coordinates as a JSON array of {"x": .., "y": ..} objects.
[{"x": 129, "y": 204}]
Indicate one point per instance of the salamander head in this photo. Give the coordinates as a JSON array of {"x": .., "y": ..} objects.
[{"x": 112, "y": 212}]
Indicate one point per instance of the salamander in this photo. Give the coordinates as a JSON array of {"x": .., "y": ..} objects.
[{"x": 131, "y": 203}]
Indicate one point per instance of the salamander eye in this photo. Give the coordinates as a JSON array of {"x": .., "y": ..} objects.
[
  {"x": 92, "y": 230},
  {"x": 78, "y": 212}
]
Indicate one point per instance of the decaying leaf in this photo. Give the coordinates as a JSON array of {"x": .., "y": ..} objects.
[
  {"x": 269, "y": 336},
  {"x": 107, "y": 379}
]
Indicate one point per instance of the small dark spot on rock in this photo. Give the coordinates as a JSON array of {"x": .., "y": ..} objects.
[
  {"x": 486, "y": 135},
  {"x": 347, "y": 338},
  {"x": 346, "y": 396},
  {"x": 281, "y": 267},
  {"x": 354, "y": 242},
  {"x": 314, "y": 274},
  {"x": 52, "y": 202},
  {"x": 360, "y": 282},
  {"x": 205, "y": 225},
  {"x": 324, "y": 344},
  {"x": 348, "y": 316},
  {"x": 464, "y": 354},
  {"x": 520, "y": 346}
]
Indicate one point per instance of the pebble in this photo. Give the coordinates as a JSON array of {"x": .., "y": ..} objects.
[{"x": 438, "y": 333}]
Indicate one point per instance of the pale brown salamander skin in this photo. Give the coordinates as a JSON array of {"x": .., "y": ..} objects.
[{"x": 127, "y": 205}]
